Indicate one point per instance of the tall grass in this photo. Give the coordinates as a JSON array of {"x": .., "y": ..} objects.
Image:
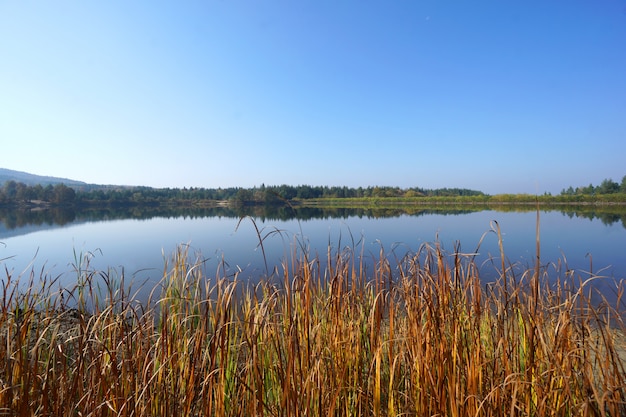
[{"x": 423, "y": 336}]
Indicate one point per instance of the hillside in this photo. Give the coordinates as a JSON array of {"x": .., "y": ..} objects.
[{"x": 32, "y": 179}]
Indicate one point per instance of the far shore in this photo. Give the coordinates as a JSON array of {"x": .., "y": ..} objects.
[{"x": 617, "y": 201}]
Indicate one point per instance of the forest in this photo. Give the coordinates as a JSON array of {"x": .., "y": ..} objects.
[{"x": 18, "y": 194}]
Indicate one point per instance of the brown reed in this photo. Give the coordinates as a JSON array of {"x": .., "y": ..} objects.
[{"x": 421, "y": 337}]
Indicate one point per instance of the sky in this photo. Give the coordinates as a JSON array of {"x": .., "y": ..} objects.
[{"x": 497, "y": 96}]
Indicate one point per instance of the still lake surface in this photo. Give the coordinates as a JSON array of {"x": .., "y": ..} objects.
[{"x": 138, "y": 242}]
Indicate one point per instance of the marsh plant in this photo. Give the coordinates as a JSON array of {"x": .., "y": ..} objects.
[{"x": 420, "y": 335}]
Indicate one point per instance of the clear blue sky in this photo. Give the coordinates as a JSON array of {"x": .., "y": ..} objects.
[{"x": 500, "y": 96}]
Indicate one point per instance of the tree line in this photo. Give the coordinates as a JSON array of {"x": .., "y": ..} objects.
[
  {"x": 607, "y": 186},
  {"x": 17, "y": 193},
  {"x": 13, "y": 193}
]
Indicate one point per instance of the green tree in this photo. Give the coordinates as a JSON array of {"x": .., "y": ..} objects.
[
  {"x": 63, "y": 194},
  {"x": 37, "y": 192},
  {"x": 590, "y": 189},
  {"x": 608, "y": 186},
  {"x": 48, "y": 193},
  {"x": 305, "y": 191},
  {"x": 10, "y": 190},
  {"x": 22, "y": 192},
  {"x": 243, "y": 196}
]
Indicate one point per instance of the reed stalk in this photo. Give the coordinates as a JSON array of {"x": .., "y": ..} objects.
[{"x": 423, "y": 336}]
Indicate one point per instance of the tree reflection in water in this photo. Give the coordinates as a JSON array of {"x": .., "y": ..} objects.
[{"x": 14, "y": 219}]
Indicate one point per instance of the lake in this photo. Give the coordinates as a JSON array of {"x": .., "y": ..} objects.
[{"x": 136, "y": 242}]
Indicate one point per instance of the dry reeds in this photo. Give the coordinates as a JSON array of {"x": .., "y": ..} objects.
[{"x": 424, "y": 337}]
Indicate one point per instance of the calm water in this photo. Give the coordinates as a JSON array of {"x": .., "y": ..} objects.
[{"x": 139, "y": 242}]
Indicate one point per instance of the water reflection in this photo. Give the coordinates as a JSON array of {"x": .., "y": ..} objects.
[
  {"x": 18, "y": 222},
  {"x": 137, "y": 241},
  {"x": 607, "y": 218},
  {"x": 15, "y": 219}
]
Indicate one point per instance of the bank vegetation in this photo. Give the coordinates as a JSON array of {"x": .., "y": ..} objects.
[{"x": 19, "y": 195}]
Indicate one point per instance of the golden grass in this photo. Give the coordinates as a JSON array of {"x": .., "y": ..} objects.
[{"x": 424, "y": 337}]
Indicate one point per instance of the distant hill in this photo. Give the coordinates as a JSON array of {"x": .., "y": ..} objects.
[{"x": 32, "y": 179}]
